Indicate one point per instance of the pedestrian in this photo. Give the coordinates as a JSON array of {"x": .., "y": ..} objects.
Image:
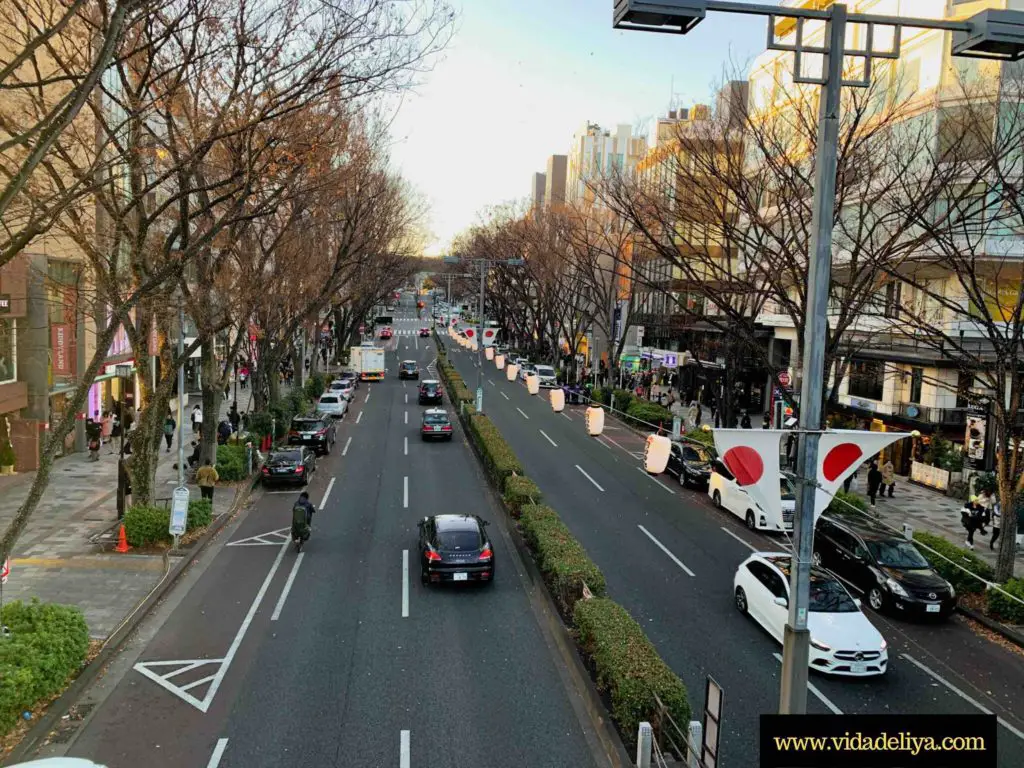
[
  {"x": 223, "y": 432},
  {"x": 997, "y": 520},
  {"x": 766, "y": 421},
  {"x": 874, "y": 482},
  {"x": 206, "y": 479},
  {"x": 691, "y": 414},
  {"x": 108, "y": 426},
  {"x": 888, "y": 477},
  {"x": 197, "y": 419},
  {"x": 972, "y": 518},
  {"x": 849, "y": 480},
  {"x": 243, "y": 375},
  {"x": 234, "y": 417},
  {"x": 169, "y": 426},
  {"x": 745, "y": 422}
]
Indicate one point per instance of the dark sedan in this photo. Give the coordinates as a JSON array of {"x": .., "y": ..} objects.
[
  {"x": 430, "y": 392},
  {"x": 690, "y": 463},
  {"x": 424, "y": 332},
  {"x": 455, "y": 548},
  {"x": 288, "y": 466},
  {"x": 316, "y": 432},
  {"x": 408, "y": 369}
]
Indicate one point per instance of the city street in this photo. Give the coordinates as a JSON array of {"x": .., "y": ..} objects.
[
  {"x": 669, "y": 557},
  {"x": 338, "y": 656}
]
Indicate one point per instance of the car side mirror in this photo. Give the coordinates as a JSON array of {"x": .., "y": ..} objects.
[{"x": 782, "y": 602}]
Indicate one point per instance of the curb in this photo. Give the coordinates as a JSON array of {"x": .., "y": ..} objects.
[
  {"x": 48, "y": 720},
  {"x": 999, "y": 628}
]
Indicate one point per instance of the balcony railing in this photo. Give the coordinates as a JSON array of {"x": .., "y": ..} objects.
[{"x": 946, "y": 417}]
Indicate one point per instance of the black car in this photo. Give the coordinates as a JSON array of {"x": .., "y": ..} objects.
[
  {"x": 436, "y": 424},
  {"x": 314, "y": 431},
  {"x": 690, "y": 463},
  {"x": 349, "y": 376},
  {"x": 288, "y": 466},
  {"x": 408, "y": 369},
  {"x": 455, "y": 548},
  {"x": 881, "y": 564},
  {"x": 430, "y": 392}
]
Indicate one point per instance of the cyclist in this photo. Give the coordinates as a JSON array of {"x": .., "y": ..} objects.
[{"x": 302, "y": 517}]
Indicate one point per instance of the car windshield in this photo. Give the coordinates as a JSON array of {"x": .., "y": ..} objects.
[
  {"x": 691, "y": 453},
  {"x": 435, "y": 418},
  {"x": 545, "y": 370},
  {"x": 329, "y": 399},
  {"x": 459, "y": 539},
  {"x": 306, "y": 425},
  {"x": 786, "y": 488},
  {"x": 409, "y": 366},
  {"x": 829, "y": 596},
  {"x": 285, "y": 456},
  {"x": 896, "y": 553}
]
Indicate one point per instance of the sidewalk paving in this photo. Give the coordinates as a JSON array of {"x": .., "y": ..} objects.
[{"x": 63, "y": 555}]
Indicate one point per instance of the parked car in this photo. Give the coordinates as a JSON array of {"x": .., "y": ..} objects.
[
  {"x": 408, "y": 369},
  {"x": 547, "y": 376},
  {"x": 288, "y": 466},
  {"x": 436, "y": 424},
  {"x": 690, "y": 463},
  {"x": 351, "y": 376},
  {"x": 455, "y": 548},
  {"x": 727, "y": 494},
  {"x": 526, "y": 370},
  {"x": 843, "y": 640},
  {"x": 430, "y": 392},
  {"x": 346, "y": 388},
  {"x": 317, "y": 432},
  {"x": 332, "y": 404},
  {"x": 882, "y": 564}
]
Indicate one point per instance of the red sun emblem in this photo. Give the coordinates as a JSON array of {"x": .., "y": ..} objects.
[
  {"x": 469, "y": 333},
  {"x": 744, "y": 462},
  {"x": 840, "y": 459}
]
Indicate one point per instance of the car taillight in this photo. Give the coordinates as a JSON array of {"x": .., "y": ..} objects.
[
  {"x": 322, "y": 432},
  {"x": 300, "y": 469},
  {"x": 446, "y": 428},
  {"x": 266, "y": 470},
  {"x": 433, "y": 557},
  {"x": 293, "y": 432},
  {"x": 487, "y": 554}
]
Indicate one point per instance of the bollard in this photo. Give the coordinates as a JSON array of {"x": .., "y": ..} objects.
[
  {"x": 644, "y": 738},
  {"x": 695, "y": 735},
  {"x": 908, "y": 531}
]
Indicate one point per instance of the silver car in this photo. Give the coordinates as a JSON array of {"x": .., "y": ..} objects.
[
  {"x": 526, "y": 370},
  {"x": 332, "y": 404},
  {"x": 344, "y": 387},
  {"x": 547, "y": 376}
]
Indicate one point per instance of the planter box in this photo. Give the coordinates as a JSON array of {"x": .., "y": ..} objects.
[{"x": 930, "y": 476}]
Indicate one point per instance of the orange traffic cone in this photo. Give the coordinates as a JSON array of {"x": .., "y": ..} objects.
[{"x": 122, "y": 541}]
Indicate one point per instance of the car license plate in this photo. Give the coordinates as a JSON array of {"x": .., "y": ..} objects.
[
  {"x": 932, "y": 607},
  {"x": 437, "y": 429},
  {"x": 858, "y": 667},
  {"x": 307, "y": 435},
  {"x": 460, "y": 576}
]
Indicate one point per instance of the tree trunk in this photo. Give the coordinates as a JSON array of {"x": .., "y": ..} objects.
[{"x": 212, "y": 391}]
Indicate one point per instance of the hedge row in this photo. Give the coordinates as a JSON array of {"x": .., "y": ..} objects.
[
  {"x": 231, "y": 462},
  {"x": 562, "y": 560},
  {"x": 628, "y": 667},
  {"x": 499, "y": 460},
  {"x": 1004, "y": 608},
  {"x": 147, "y": 525},
  {"x": 644, "y": 414},
  {"x": 519, "y": 491},
  {"x": 46, "y": 645},
  {"x": 961, "y": 581}
]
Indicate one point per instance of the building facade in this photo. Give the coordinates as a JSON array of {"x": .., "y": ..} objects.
[
  {"x": 554, "y": 180},
  {"x": 597, "y": 153}
]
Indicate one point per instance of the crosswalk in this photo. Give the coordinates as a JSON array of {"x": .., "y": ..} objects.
[{"x": 405, "y": 332}]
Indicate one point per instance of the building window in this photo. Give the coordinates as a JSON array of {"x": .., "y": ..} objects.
[
  {"x": 8, "y": 352},
  {"x": 916, "y": 378},
  {"x": 893, "y": 294},
  {"x": 867, "y": 378}
]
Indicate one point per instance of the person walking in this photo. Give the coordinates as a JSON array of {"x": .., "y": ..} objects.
[
  {"x": 234, "y": 417},
  {"x": 997, "y": 520},
  {"x": 874, "y": 482},
  {"x": 197, "y": 419},
  {"x": 206, "y": 479},
  {"x": 169, "y": 426},
  {"x": 108, "y": 426},
  {"x": 745, "y": 422},
  {"x": 888, "y": 477}
]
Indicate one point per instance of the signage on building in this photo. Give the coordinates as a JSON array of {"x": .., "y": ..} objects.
[
  {"x": 5, "y": 303},
  {"x": 154, "y": 338},
  {"x": 60, "y": 344},
  {"x": 784, "y": 378},
  {"x": 976, "y": 435}
]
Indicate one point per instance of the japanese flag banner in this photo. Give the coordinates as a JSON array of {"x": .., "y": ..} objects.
[
  {"x": 752, "y": 456},
  {"x": 5, "y": 571},
  {"x": 840, "y": 452}
]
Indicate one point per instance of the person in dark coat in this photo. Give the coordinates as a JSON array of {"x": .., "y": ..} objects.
[{"x": 874, "y": 482}]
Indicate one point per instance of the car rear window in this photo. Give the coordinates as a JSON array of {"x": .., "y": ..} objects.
[
  {"x": 435, "y": 418},
  {"x": 462, "y": 539},
  {"x": 329, "y": 399},
  {"x": 545, "y": 370},
  {"x": 428, "y": 387},
  {"x": 286, "y": 456},
  {"x": 306, "y": 424}
]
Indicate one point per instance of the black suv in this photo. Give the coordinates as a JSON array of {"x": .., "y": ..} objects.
[
  {"x": 882, "y": 564},
  {"x": 430, "y": 392},
  {"x": 316, "y": 432},
  {"x": 408, "y": 369},
  {"x": 690, "y": 463}
]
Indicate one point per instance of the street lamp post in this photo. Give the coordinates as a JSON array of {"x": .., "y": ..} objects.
[{"x": 991, "y": 34}]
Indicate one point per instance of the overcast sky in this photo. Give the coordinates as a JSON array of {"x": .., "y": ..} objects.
[{"x": 521, "y": 75}]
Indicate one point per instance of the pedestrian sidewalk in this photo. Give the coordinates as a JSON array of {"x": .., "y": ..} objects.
[{"x": 64, "y": 554}]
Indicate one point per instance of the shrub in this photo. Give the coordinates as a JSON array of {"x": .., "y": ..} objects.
[
  {"x": 851, "y": 499},
  {"x": 623, "y": 399},
  {"x": 562, "y": 560},
  {"x": 498, "y": 457},
  {"x": 315, "y": 386},
  {"x": 1005, "y": 608},
  {"x": 645, "y": 414},
  {"x": 259, "y": 423},
  {"x": 628, "y": 667},
  {"x": 48, "y": 642},
  {"x": 520, "y": 490},
  {"x": 297, "y": 403},
  {"x": 601, "y": 395},
  {"x": 231, "y": 465},
  {"x": 200, "y": 513},
  {"x": 700, "y": 436},
  {"x": 961, "y": 581},
  {"x": 145, "y": 525}
]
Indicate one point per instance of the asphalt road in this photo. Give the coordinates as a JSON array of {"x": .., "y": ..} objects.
[
  {"x": 324, "y": 658},
  {"x": 622, "y": 515}
]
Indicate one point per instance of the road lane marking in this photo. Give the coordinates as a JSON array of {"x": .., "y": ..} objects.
[
  {"x": 359, "y": 417},
  {"x": 563, "y": 413},
  {"x": 406, "y": 398},
  {"x": 741, "y": 540},
  {"x": 666, "y": 550},
  {"x": 521, "y": 411},
  {"x": 936, "y": 676},
  {"x": 651, "y": 477},
  {"x": 405, "y": 491},
  {"x": 813, "y": 689},
  {"x": 417, "y": 340},
  {"x": 287, "y": 588},
  {"x": 405, "y": 583},
  {"x": 406, "y": 445},
  {"x": 218, "y": 753},
  {"x": 367, "y": 398},
  {"x": 548, "y": 438},
  {"x": 504, "y": 395},
  {"x": 403, "y": 757},
  {"x": 406, "y": 417},
  {"x": 347, "y": 444},
  {"x": 589, "y": 478},
  {"x": 492, "y": 382},
  {"x": 327, "y": 493}
]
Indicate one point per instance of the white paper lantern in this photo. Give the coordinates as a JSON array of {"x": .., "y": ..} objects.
[
  {"x": 499, "y": 361},
  {"x": 489, "y": 353},
  {"x": 557, "y": 400},
  {"x": 532, "y": 383},
  {"x": 511, "y": 372},
  {"x": 656, "y": 453},
  {"x": 595, "y": 420}
]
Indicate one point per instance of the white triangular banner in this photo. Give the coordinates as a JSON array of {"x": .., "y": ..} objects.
[
  {"x": 840, "y": 453},
  {"x": 752, "y": 455}
]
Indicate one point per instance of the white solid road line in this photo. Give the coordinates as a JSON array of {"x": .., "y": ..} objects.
[
  {"x": 403, "y": 757},
  {"x": 504, "y": 395},
  {"x": 590, "y": 478},
  {"x": 218, "y": 753},
  {"x": 521, "y": 411},
  {"x": 651, "y": 477},
  {"x": 405, "y": 583},
  {"x": 367, "y": 398},
  {"x": 405, "y": 491},
  {"x": 327, "y": 493},
  {"x": 548, "y": 438},
  {"x": 359, "y": 417},
  {"x": 405, "y": 446},
  {"x": 492, "y": 382},
  {"x": 666, "y": 550},
  {"x": 741, "y": 540},
  {"x": 347, "y": 444},
  {"x": 287, "y": 588},
  {"x": 813, "y": 689},
  {"x": 936, "y": 676}
]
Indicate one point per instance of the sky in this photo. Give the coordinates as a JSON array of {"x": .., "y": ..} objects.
[{"x": 520, "y": 76}]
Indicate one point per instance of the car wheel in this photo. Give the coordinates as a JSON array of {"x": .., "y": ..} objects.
[
  {"x": 876, "y": 599},
  {"x": 741, "y": 600},
  {"x": 716, "y": 497},
  {"x": 816, "y": 559},
  {"x": 682, "y": 479},
  {"x": 749, "y": 519}
]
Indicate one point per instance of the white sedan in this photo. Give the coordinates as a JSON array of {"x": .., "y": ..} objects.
[
  {"x": 843, "y": 641},
  {"x": 726, "y": 493}
]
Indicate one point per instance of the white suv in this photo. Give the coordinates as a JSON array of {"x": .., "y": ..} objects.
[{"x": 727, "y": 494}]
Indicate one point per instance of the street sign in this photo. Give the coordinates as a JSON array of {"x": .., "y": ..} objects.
[
  {"x": 5, "y": 571},
  {"x": 784, "y": 378},
  {"x": 179, "y": 511},
  {"x": 123, "y": 371}
]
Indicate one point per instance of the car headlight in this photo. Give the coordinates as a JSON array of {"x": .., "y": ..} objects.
[
  {"x": 896, "y": 588},
  {"x": 820, "y": 646},
  {"x": 884, "y": 645},
  {"x": 952, "y": 591}
]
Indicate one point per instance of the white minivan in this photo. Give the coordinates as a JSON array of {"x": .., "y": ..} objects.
[{"x": 727, "y": 494}]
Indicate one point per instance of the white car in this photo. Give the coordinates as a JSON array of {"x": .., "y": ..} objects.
[
  {"x": 843, "y": 641},
  {"x": 344, "y": 387},
  {"x": 547, "y": 376},
  {"x": 526, "y": 370},
  {"x": 727, "y": 494},
  {"x": 332, "y": 404}
]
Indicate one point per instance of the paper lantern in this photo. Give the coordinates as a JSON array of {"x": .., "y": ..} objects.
[
  {"x": 557, "y": 400},
  {"x": 499, "y": 361},
  {"x": 595, "y": 420},
  {"x": 511, "y": 372},
  {"x": 656, "y": 453},
  {"x": 532, "y": 383},
  {"x": 489, "y": 353}
]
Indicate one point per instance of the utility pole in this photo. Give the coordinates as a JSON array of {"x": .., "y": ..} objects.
[{"x": 181, "y": 391}]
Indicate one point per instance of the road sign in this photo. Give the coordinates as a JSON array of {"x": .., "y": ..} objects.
[
  {"x": 179, "y": 511},
  {"x": 5, "y": 571},
  {"x": 784, "y": 378}
]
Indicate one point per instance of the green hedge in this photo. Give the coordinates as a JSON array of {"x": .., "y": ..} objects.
[
  {"x": 47, "y": 644},
  {"x": 961, "y": 581},
  {"x": 850, "y": 498},
  {"x": 231, "y": 465},
  {"x": 499, "y": 460},
  {"x": 628, "y": 667},
  {"x": 1002, "y": 607},
  {"x": 641, "y": 411},
  {"x": 200, "y": 513},
  {"x": 561, "y": 558},
  {"x": 147, "y": 525},
  {"x": 623, "y": 399},
  {"x": 700, "y": 436},
  {"x": 520, "y": 490}
]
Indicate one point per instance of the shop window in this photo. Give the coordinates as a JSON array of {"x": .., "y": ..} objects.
[
  {"x": 867, "y": 378},
  {"x": 916, "y": 379},
  {"x": 8, "y": 360}
]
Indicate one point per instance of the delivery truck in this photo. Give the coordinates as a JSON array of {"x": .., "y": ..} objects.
[{"x": 367, "y": 362}]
